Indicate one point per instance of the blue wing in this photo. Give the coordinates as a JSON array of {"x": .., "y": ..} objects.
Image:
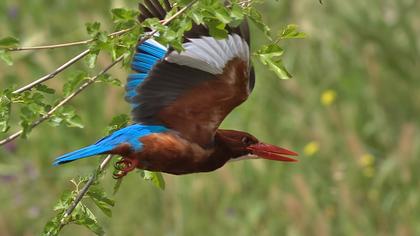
[
  {"x": 128, "y": 135},
  {"x": 148, "y": 54}
]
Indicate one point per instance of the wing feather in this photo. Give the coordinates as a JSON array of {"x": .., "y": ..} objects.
[{"x": 191, "y": 91}]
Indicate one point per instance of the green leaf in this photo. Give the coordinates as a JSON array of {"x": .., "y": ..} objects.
[
  {"x": 117, "y": 185},
  {"x": 67, "y": 116},
  {"x": 271, "y": 50},
  {"x": 155, "y": 178},
  {"x": 84, "y": 216},
  {"x": 9, "y": 42},
  {"x": 98, "y": 196},
  {"x": 5, "y": 56},
  {"x": 91, "y": 59},
  {"x": 44, "y": 88},
  {"x": 197, "y": 18},
  {"x": 236, "y": 12},
  {"x": 5, "y": 109},
  {"x": 118, "y": 122},
  {"x": 106, "y": 78},
  {"x": 123, "y": 18},
  {"x": 65, "y": 201},
  {"x": 291, "y": 32},
  {"x": 52, "y": 227},
  {"x": 222, "y": 15},
  {"x": 256, "y": 18},
  {"x": 123, "y": 14},
  {"x": 55, "y": 121},
  {"x": 217, "y": 29},
  {"x": 93, "y": 28},
  {"x": 74, "y": 121},
  {"x": 74, "y": 81},
  {"x": 270, "y": 55}
]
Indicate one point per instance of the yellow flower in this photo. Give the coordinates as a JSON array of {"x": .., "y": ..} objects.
[
  {"x": 366, "y": 160},
  {"x": 311, "y": 148},
  {"x": 328, "y": 97}
]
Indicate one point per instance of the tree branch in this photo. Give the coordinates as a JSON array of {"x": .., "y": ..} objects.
[
  {"x": 65, "y": 65},
  {"x": 85, "y": 189},
  {"x": 61, "y": 45},
  {"x": 54, "y": 73},
  {"x": 62, "y": 102}
]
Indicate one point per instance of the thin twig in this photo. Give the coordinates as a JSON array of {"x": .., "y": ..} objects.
[
  {"x": 85, "y": 188},
  {"x": 54, "y": 73},
  {"x": 61, "y": 45},
  {"x": 65, "y": 65},
  {"x": 62, "y": 102}
]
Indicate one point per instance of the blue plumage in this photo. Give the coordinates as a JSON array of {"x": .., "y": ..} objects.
[
  {"x": 149, "y": 53},
  {"x": 130, "y": 134}
]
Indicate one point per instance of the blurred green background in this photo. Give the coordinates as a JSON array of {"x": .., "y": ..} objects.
[{"x": 351, "y": 111}]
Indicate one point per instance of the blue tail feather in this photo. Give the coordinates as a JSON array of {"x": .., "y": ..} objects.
[
  {"x": 88, "y": 151},
  {"x": 129, "y": 135}
]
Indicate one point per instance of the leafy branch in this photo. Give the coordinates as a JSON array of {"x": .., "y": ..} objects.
[
  {"x": 62, "y": 102},
  {"x": 214, "y": 14},
  {"x": 61, "y": 45}
]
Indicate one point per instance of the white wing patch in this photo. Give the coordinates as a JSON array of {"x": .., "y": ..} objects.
[
  {"x": 157, "y": 44},
  {"x": 209, "y": 54}
]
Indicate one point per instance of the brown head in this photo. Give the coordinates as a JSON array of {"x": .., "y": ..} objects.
[{"x": 241, "y": 144}]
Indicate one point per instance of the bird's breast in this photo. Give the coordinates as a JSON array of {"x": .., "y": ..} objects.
[{"x": 170, "y": 153}]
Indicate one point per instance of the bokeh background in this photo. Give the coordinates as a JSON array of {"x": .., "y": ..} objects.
[{"x": 351, "y": 111}]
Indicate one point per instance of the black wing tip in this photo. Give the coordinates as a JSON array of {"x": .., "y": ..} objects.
[{"x": 153, "y": 9}]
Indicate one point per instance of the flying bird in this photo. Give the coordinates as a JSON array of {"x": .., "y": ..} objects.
[{"x": 178, "y": 101}]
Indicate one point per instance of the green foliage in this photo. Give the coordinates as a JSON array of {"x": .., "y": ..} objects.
[
  {"x": 256, "y": 18},
  {"x": 66, "y": 115},
  {"x": 124, "y": 18},
  {"x": 5, "y": 56},
  {"x": 100, "y": 42},
  {"x": 291, "y": 32},
  {"x": 270, "y": 55},
  {"x": 81, "y": 214},
  {"x": 37, "y": 102},
  {"x": 155, "y": 178},
  {"x": 5, "y": 43},
  {"x": 74, "y": 81},
  {"x": 118, "y": 122},
  {"x": 6, "y": 98},
  {"x": 9, "y": 42}
]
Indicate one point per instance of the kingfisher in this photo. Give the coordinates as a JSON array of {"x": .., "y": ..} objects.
[{"x": 178, "y": 101}]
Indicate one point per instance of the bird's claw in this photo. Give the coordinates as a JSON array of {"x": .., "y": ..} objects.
[{"x": 122, "y": 167}]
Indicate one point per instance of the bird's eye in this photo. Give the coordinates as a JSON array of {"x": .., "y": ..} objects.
[{"x": 245, "y": 140}]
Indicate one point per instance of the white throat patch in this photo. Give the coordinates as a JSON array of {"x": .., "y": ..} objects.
[{"x": 245, "y": 157}]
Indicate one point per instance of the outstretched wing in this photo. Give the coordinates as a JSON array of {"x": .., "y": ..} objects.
[{"x": 192, "y": 91}]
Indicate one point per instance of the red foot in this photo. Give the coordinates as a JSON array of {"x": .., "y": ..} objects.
[{"x": 124, "y": 166}]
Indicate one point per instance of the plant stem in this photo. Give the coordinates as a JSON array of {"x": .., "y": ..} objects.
[
  {"x": 86, "y": 187},
  {"x": 62, "y": 102},
  {"x": 54, "y": 73},
  {"x": 61, "y": 45},
  {"x": 65, "y": 65}
]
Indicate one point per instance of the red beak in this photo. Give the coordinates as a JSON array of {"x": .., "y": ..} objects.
[{"x": 271, "y": 152}]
